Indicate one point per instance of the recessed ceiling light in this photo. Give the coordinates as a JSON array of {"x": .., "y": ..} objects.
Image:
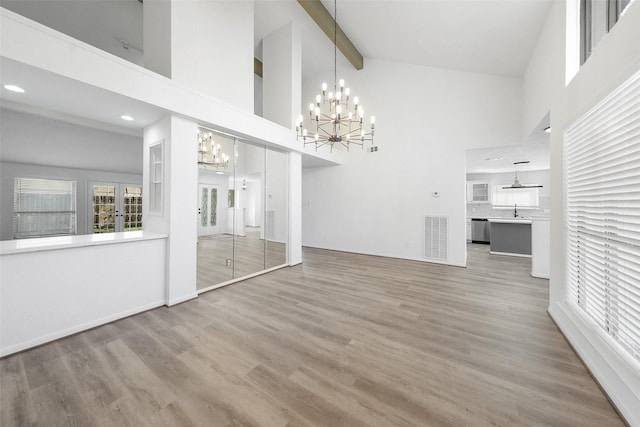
[
  {"x": 220, "y": 172},
  {"x": 14, "y": 88},
  {"x": 127, "y": 118},
  {"x": 494, "y": 158},
  {"x": 547, "y": 129}
]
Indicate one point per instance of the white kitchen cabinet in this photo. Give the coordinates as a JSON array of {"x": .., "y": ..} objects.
[
  {"x": 477, "y": 192},
  {"x": 540, "y": 246},
  {"x": 468, "y": 229}
]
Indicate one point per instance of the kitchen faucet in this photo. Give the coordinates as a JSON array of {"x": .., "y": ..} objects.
[{"x": 515, "y": 210}]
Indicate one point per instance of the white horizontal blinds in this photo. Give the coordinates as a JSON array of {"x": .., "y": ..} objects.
[
  {"x": 602, "y": 154},
  {"x": 43, "y": 207}
]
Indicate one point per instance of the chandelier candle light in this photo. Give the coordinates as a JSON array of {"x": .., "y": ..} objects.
[
  {"x": 336, "y": 116},
  {"x": 209, "y": 153}
]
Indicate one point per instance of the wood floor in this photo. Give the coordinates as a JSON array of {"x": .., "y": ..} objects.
[
  {"x": 247, "y": 254},
  {"x": 341, "y": 340}
]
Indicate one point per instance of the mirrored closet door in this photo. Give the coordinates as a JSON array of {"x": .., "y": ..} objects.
[{"x": 242, "y": 209}]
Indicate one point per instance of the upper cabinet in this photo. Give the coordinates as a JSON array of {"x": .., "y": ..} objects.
[{"x": 477, "y": 192}]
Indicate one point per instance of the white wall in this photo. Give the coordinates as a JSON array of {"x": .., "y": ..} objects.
[
  {"x": 544, "y": 76},
  {"x": 39, "y": 147},
  {"x": 212, "y": 49},
  {"x": 282, "y": 75},
  {"x": 33, "y": 139},
  {"x": 102, "y": 24},
  {"x": 426, "y": 118},
  {"x": 616, "y": 58},
  {"x": 49, "y": 294},
  {"x": 180, "y": 188},
  {"x": 157, "y": 36}
]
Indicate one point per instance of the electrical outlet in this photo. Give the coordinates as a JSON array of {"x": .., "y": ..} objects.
[{"x": 228, "y": 262}]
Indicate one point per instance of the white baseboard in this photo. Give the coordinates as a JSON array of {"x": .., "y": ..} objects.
[
  {"x": 182, "y": 299},
  {"x": 34, "y": 342},
  {"x": 616, "y": 372}
]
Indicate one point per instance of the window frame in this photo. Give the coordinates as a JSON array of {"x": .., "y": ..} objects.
[
  {"x": 602, "y": 171},
  {"x": 614, "y": 10},
  {"x": 497, "y": 190},
  {"x": 45, "y": 185}
]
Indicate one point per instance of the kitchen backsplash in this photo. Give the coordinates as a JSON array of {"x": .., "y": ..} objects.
[{"x": 485, "y": 210}]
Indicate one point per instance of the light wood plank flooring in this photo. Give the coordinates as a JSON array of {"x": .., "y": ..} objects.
[
  {"x": 248, "y": 254},
  {"x": 342, "y": 340}
]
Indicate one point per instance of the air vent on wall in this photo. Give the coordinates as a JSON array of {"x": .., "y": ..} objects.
[{"x": 436, "y": 237}]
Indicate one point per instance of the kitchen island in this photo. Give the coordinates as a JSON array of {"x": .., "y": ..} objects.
[{"x": 510, "y": 236}]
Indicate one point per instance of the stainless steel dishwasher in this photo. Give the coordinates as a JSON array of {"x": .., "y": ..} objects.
[{"x": 480, "y": 230}]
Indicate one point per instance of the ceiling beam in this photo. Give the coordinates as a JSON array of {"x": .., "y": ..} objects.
[
  {"x": 257, "y": 67},
  {"x": 324, "y": 20}
]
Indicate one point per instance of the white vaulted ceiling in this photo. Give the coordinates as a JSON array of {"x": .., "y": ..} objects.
[{"x": 482, "y": 36}]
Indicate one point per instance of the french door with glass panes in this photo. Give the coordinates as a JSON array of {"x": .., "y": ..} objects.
[
  {"x": 114, "y": 207},
  {"x": 208, "y": 221}
]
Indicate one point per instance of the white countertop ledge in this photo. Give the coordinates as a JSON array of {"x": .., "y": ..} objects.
[
  {"x": 510, "y": 220},
  {"x": 9, "y": 247}
]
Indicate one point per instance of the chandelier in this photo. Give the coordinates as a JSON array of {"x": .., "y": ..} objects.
[
  {"x": 209, "y": 153},
  {"x": 335, "y": 116}
]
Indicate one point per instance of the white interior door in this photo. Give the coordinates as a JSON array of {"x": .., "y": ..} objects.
[{"x": 208, "y": 218}]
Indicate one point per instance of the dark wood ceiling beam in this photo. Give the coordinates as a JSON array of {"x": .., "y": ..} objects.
[
  {"x": 324, "y": 20},
  {"x": 257, "y": 67}
]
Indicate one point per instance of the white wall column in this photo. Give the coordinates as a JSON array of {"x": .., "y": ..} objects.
[
  {"x": 177, "y": 215},
  {"x": 156, "y": 36},
  {"x": 295, "y": 208},
  {"x": 206, "y": 45},
  {"x": 282, "y": 75},
  {"x": 212, "y": 49},
  {"x": 282, "y": 88}
]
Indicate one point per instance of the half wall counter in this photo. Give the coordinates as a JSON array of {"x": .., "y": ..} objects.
[
  {"x": 510, "y": 236},
  {"x": 57, "y": 286}
]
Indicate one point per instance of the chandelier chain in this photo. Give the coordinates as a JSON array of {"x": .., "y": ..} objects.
[{"x": 335, "y": 44}]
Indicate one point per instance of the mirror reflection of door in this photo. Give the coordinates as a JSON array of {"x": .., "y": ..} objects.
[
  {"x": 115, "y": 207},
  {"x": 208, "y": 219}
]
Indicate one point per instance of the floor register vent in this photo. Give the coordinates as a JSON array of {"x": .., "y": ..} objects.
[{"x": 436, "y": 237}]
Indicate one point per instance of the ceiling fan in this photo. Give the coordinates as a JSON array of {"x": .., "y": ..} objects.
[{"x": 516, "y": 183}]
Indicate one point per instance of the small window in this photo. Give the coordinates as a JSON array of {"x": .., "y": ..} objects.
[
  {"x": 156, "y": 175},
  {"x": 597, "y": 18},
  {"x": 515, "y": 197},
  {"x": 43, "y": 207}
]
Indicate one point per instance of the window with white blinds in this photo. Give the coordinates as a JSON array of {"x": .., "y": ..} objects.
[
  {"x": 43, "y": 207},
  {"x": 602, "y": 154}
]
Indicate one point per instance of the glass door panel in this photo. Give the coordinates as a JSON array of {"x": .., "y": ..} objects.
[
  {"x": 215, "y": 217},
  {"x": 249, "y": 201},
  {"x": 103, "y": 211},
  {"x": 132, "y": 220},
  {"x": 276, "y": 223},
  {"x": 242, "y": 210},
  {"x": 208, "y": 210}
]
